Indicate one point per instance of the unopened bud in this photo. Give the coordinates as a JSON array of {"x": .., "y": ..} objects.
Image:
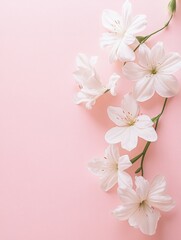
[{"x": 172, "y": 6}]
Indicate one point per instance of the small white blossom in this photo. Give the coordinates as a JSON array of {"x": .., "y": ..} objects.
[
  {"x": 109, "y": 167},
  {"x": 141, "y": 206},
  {"x": 122, "y": 31},
  {"x": 130, "y": 125},
  {"x": 154, "y": 72},
  {"x": 89, "y": 82}
]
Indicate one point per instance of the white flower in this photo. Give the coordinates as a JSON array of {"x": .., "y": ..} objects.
[
  {"x": 154, "y": 72},
  {"x": 130, "y": 125},
  {"x": 141, "y": 206},
  {"x": 122, "y": 30},
  {"x": 88, "y": 80},
  {"x": 113, "y": 84},
  {"x": 108, "y": 168}
]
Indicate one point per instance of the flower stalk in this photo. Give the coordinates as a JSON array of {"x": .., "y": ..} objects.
[
  {"x": 143, "y": 153},
  {"x": 143, "y": 39}
]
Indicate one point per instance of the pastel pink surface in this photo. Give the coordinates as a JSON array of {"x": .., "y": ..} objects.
[{"x": 46, "y": 191}]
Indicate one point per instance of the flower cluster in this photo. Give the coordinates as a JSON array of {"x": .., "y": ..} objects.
[{"x": 151, "y": 70}]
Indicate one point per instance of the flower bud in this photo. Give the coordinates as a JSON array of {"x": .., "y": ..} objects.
[{"x": 172, "y": 6}]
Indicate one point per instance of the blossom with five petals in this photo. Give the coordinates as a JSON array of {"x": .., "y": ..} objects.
[
  {"x": 109, "y": 167},
  {"x": 154, "y": 72},
  {"x": 130, "y": 125},
  {"x": 122, "y": 30},
  {"x": 89, "y": 83},
  {"x": 141, "y": 206}
]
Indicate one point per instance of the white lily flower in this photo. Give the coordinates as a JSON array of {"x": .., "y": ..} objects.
[
  {"x": 141, "y": 206},
  {"x": 88, "y": 80},
  {"x": 122, "y": 32},
  {"x": 154, "y": 72},
  {"x": 130, "y": 125},
  {"x": 109, "y": 167}
]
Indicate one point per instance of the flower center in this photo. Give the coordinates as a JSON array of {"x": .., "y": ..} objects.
[
  {"x": 142, "y": 203},
  {"x": 154, "y": 71},
  {"x": 132, "y": 122},
  {"x": 117, "y": 27},
  {"x": 110, "y": 165},
  {"x": 128, "y": 118},
  {"x": 116, "y": 167}
]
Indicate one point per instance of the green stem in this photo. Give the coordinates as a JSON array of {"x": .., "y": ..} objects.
[
  {"x": 143, "y": 157},
  {"x": 143, "y": 153},
  {"x": 133, "y": 160},
  {"x": 153, "y": 33},
  {"x": 159, "y": 115}
]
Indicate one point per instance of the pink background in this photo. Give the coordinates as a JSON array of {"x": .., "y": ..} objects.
[{"x": 46, "y": 192}]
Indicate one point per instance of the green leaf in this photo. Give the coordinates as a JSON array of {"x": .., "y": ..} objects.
[
  {"x": 172, "y": 6},
  {"x": 138, "y": 170},
  {"x": 140, "y": 39},
  {"x": 154, "y": 119}
]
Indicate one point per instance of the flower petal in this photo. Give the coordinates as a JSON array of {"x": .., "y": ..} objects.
[
  {"x": 110, "y": 19},
  {"x": 124, "y": 180},
  {"x": 143, "y": 121},
  {"x": 157, "y": 53},
  {"x": 144, "y": 88},
  {"x": 82, "y": 61},
  {"x": 112, "y": 153},
  {"x": 125, "y": 53},
  {"x": 158, "y": 185},
  {"x": 106, "y": 168},
  {"x": 85, "y": 76},
  {"x": 129, "y": 138},
  {"x": 96, "y": 166},
  {"x": 89, "y": 104},
  {"x": 148, "y": 134},
  {"x": 114, "y": 52},
  {"x": 157, "y": 197},
  {"x": 133, "y": 71},
  {"x": 129, "y": 197},
  {"x": 145, "y": 219},
  {"x": 108, "y": 39},
  {"x": 164, "y": 203},
  {"x": 129, "y": 38},
  {"x": 82, "y": 98},
  {"x": 116, "y": 115},
  {"x": 126, "y": 13},
  {"x": 126, "y": 135},
  {"x": 123, "y": 212},
  {"x": 130, "y": 105},
  {"x": 170, "y": 64},
  {"x": 144, "y": 56},
  {"x": 138, "y": 24},
  {"x": 166, "y": 85},
  {"x": 114, "y": 135},
  {"x": 113, "y": 83},
  {"x": 130, "y": 203},
  {"x": 149, "y": 224},
  {"x": 109, "y": 180},
  {"x": 124, "y": 163},
  {"x": 142, "y": 187}
]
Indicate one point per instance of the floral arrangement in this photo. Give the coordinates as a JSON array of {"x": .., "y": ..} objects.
[{"x": 151, "y": 71}]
